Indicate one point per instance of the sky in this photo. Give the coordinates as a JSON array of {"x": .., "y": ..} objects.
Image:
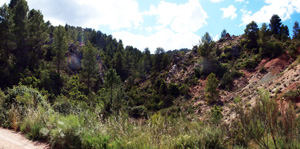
[{"x": 170, "y": 24}]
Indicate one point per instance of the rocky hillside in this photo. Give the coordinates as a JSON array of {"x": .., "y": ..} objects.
[{"x": 276, "y": 76}]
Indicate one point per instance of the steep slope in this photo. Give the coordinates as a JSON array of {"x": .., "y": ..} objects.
[{"x": 275, "y": 76}]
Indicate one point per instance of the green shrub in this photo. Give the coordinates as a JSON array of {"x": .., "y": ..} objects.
[
  {"x": 216, "y": 114},
  {"x": 31, "y": 82},
  {"x": 173, "y": 89},
  {"x": 211, "y": 92},
  {"x": 272, "y": 49},
  {"x": 67, "y": 132},
  {"x": 184, "y": 89},
  {"x": 226, "y": 81},
  {"x": 237, "y": 99},
  {"x": 92, "y": 140},
  {"x": 138, "y": 111},
  {"x": 291, "y": 95},
  {"x": 197, "y": 72}
]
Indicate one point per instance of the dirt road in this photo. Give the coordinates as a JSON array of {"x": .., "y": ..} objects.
[{"x": 12, "y": 140}]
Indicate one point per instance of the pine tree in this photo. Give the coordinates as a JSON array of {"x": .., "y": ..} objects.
[
  {"x": 118, "y": 64},
  {"x": 89, "y": 63},
  {"x": 206, "y": 45},
  {"x": 7, "y": 36},
  {"x": 284, "y": 32},
  {"x": 37, "y": 35},
  {"x": 147, "y": 61},
  {"x": 223, "y": 34},
  {"x": 60, "y": 47},
  {"x": 158, "y": 59},
  {"x": 7, "y": 45},
  {"x": 275, "y": 25},
  {"x": 111, "y": 81},
  {"x": 20, "y": 18},
  {"x": 251, "y": 33},
  {"x": 296, "y": 31},
  {"x": 211, "y": 92}
]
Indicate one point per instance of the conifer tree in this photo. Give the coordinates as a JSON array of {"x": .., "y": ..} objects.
[
  {"x": 296, "y": 31},
  {"x": 206, "y": 45},
  {"x": 211, "y": 92},
  {"x": 7, "y": 37},
  {"x": 111, "y": 81},
  {"x": 275, "y": 25},
  {"x": 37, "y": 35},
  {"x": 89, "y": 63},
  {"x": 60, "y": 47},
  {"x": 223, "y": 34},
  {"x": 20, "y": 18}
]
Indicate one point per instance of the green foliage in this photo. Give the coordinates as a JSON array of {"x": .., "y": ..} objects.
[
  {"x": 31, "y": 82},
  {"x": 272, "y": 49},
  {"x": 89, "y": 64},
  {"x": 67, "y": 132},
  {"x": 60, "y": 47},
  {"x": 227, "y": 79},
  {"x": 37, "y": 35},
  {"x": 138, "y": 112},
  {"x": 206, "y": 45},
  {"x": 173, "y": 89},
  {"x": 296, "y": 30},
  {"x": 223, "y": 34},
  {"x": 237, "y": 99},
  {"x": 211, "y": 92},
  {"x": 216, "y": 114},
  {"x": 251, "y": 33},
  {"x": 211, "y": 66},
  {"x": 158, "y": 59},
  {"x": 184, "y": 89},
  {"x": 112, "y": 80},
  {"x": 266, "y": 125},
  {"x": 275, "y": 24},
  {"x": 291, "y": 95},
  {"x": 197, "y": 72},
  {"x": 76, "y": 89}
]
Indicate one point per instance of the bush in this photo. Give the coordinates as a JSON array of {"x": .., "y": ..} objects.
[
  {"x": 138, "y": 112},
  {"x": 92, "y": 140},
  {"x": 272, "y": 49},
  {"x": 209, "y": 66},
  {"x": 291, "y": 95},
  {"x": 211, "y": 92},
  {"x": 197, "y": 72},
  {"x": 184, "y": 89},
  {"x": 173, "y": 89},
  {"x": 227, "y": 79},
  {"x": 216, "y": 114},
  {"x": 67, "y": 132}
]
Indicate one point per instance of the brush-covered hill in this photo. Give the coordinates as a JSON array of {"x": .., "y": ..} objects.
[{"x": 77, "y": 87}]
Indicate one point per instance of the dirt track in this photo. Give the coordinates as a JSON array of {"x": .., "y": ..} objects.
[{"x": 12, "y": 140}]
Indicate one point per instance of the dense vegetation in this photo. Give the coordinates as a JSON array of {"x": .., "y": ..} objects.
[{"x": 76, "y": 87}]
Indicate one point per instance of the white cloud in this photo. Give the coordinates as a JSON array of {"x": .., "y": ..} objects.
[
  {"x": 91, "y": 13},
  {"x": 229, "y": 12},
  {"x": 165, "y": 38},
  {"x": 239, "y": 1},
  {"x": 4, "y": 1},
  {"x": 216, "y": 38},
  {"x": 188, "y": 17},
  {"x": 216, "y": 1},
  {"x": 284, "y": 8}
]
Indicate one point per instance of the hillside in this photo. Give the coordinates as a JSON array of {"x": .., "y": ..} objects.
[{"x": 75, "y": 87}]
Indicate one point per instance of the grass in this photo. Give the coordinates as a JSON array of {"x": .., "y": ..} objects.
[{"x": 87, "y": 128}]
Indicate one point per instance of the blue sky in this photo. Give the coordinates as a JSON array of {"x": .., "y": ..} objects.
[{"x": 170, "y": 24}]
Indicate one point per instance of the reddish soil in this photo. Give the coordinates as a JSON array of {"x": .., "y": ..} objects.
[{"x": 277, "y": 64}]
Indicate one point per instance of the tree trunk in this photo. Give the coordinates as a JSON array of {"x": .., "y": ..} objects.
[{"x": 88, "y": 83}]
